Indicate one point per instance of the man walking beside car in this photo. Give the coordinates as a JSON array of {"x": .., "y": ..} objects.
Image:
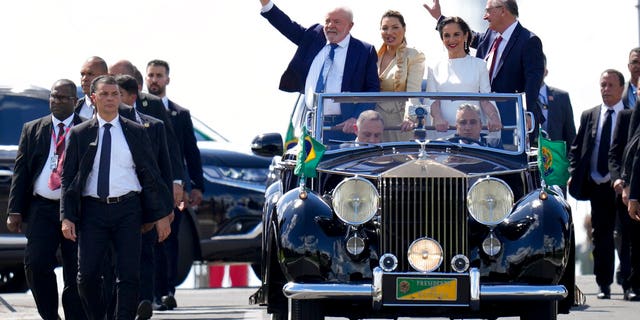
[
  {"x": 590, "y": 177},
  {"x": 110, "y": 192},
  {"x": 328, "y": 59},
  {"x": 167, "y": 252},
  {"x": 34, "y": 198}
]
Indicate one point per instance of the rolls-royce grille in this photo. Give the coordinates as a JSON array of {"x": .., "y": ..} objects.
[{"x": 424, "y": 207}]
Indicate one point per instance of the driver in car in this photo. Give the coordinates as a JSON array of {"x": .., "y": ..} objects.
[{"x": 468, "y": 126}]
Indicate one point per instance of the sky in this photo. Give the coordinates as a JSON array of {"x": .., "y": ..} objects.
[{"x": 226, "y": 60}]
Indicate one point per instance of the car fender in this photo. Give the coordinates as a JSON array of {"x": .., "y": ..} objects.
[{"x": 536, "y": 239}]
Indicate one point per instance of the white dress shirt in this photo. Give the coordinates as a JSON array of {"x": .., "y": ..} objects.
[
  {"x": 87, "y": 110},
  {"x": 595, "y": 175},
  {"x": 122, "y": 171},
  {"x": 41, "y": 186}
]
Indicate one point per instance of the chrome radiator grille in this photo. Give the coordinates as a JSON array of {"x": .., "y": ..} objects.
[{"x": 419, "y": 207}]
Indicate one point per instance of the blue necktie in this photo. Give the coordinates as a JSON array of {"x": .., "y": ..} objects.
[
  {"x": 320, "y": 84},
  {"x": 105, "y": 163},
  {"x": 605, "y": 141}
]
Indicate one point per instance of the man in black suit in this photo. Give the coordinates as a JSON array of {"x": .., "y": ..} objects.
[
  {"x": 556, "y": 108},
  {"x": 620, "y": 158},
  {"x": 516, "y": 64},
  {"x": 111, "y": 190},
  {"x": 630, "y": 93},
  {"x": 152, "y": 106},
  {"x": 631, "y": 194},
  {"x": 590, "y": 178},
  {"x": 92, "y": 68},
  {"x": 34, "y": 198},
  {"x": 155, "y": 129},
  {"x": 167, "y": 252}
]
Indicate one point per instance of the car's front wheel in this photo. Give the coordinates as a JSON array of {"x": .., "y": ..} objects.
[
  {"x": 13, "y": 280},
  {"x": 542, "y": 310},
  {"x": 306, "y": 310}
]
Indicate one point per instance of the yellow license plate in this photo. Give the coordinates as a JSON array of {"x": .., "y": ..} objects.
[{"x": 426, "y": 289}]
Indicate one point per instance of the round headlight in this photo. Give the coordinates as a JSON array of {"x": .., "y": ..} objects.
[
  {"x": 425, "y": 255},
  {"x": 490, "y": 200},
  {"x": 355, "y": 200}
]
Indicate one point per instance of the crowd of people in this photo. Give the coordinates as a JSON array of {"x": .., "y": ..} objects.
[
  {"x": 106, "y": 179},
  {"x": 85, "y": 183}
]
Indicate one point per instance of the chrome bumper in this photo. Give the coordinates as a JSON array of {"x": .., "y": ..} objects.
[{"x": 304, "y": 291}]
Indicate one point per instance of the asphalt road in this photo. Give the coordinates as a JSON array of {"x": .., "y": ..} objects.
[{"x": 232, "y": 303}]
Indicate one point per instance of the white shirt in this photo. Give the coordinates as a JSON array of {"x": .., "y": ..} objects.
[
  {"x": 41, "y": 186},
  {"x": 333, "y": 77},
  {"x": 122, "y": 171},
  {"x": 506, "y": 35},
  {"x": 165, "y": 102},
  {"x": 595, "y": 175},
  {"x": 467, "y": 74},
  {"x": 87, "y": 110}
]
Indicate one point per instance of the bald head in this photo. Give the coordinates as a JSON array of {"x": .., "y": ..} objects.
[{"x": 122, "y": 67}]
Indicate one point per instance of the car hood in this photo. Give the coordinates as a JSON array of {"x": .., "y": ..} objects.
[
  {"x": 410, "y": 164},
  {"x": 230, "y": 155}
]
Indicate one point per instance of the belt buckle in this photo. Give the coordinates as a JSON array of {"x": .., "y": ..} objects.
[{"x": 112, "y": 200}]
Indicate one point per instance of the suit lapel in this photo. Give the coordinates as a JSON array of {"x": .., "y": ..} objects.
[{"x": 510, "y": 44}]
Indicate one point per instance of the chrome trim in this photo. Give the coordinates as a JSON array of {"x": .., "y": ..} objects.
[
  {"x": 253, "y": 233},
  {"x": 306, "y": 291},
  {"x": 474, "y": 289},
  {"x": 522, "y": 292},
  {"x": 257, "y": 187},
  {"x": 377, "y": 288}
]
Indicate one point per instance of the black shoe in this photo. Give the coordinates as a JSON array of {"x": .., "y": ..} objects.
[
  {"x": 170, "y": 302},
  {"x": 145, "y": 310},
  {"x": 632, "y": 295},
  {"x": 159, "y": 307},
  {"x": 605, "y": 293}
]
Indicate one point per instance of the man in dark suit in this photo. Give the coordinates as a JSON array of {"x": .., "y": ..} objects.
[
  {"x": 630, "y": 93},
  {"x": 556, "y": 108},
  {"x": 155, "y": 129},
  {"x": 516, "y": 64},
  {"x": 34, "y": 198},
  {"x": 111, "y": 190},
  {"x": 631, "y": 194},
  {"x": 619, "y": 168},
  {"x": 92, "y": 68},
  {"x": 590, "y": 177},
  {"x": 325, "y": 55},
  {"x": 167, "y": 252},
  {"x": 152, "y": 105}
]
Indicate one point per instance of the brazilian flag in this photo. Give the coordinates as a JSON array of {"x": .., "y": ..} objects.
[
  {"x": 311, "y": 152},
  {"x": 290, "y": 140},
  {"x": 552, "y": 161}
]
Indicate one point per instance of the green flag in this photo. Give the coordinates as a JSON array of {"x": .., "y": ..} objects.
[
  {"x": 552, "y": 161},
  {"x": 290, "y": 140},
  {"x": 311, "y": 152}
]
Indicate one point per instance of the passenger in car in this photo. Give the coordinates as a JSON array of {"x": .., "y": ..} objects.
[
  {"x": 369, "y": 127},
  {"x": 400, "y": 68},
  {"x": 328, "y": 59},
  {"x": 461, "y": 72}
]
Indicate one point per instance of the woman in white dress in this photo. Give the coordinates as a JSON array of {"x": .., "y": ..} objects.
[
  {"x": 461, "y": 72},
  {"x": 400, "y": 68}
]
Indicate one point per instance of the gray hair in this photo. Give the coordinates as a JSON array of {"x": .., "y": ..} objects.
[
  {"x": 370, "y": 115},
  {"x": 470, "y": 107}
]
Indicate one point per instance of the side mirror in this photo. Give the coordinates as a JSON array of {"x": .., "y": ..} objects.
[{"x": 267, "y": 145}]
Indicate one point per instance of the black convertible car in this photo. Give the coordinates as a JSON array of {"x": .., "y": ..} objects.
[
  {"x": 432, "y": 226},
  {"x": 225, "y": 227}
]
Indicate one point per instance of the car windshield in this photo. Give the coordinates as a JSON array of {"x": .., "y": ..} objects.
[
  {"x": 487, "y": 121},
  {"x": 15, "y": 110}
]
